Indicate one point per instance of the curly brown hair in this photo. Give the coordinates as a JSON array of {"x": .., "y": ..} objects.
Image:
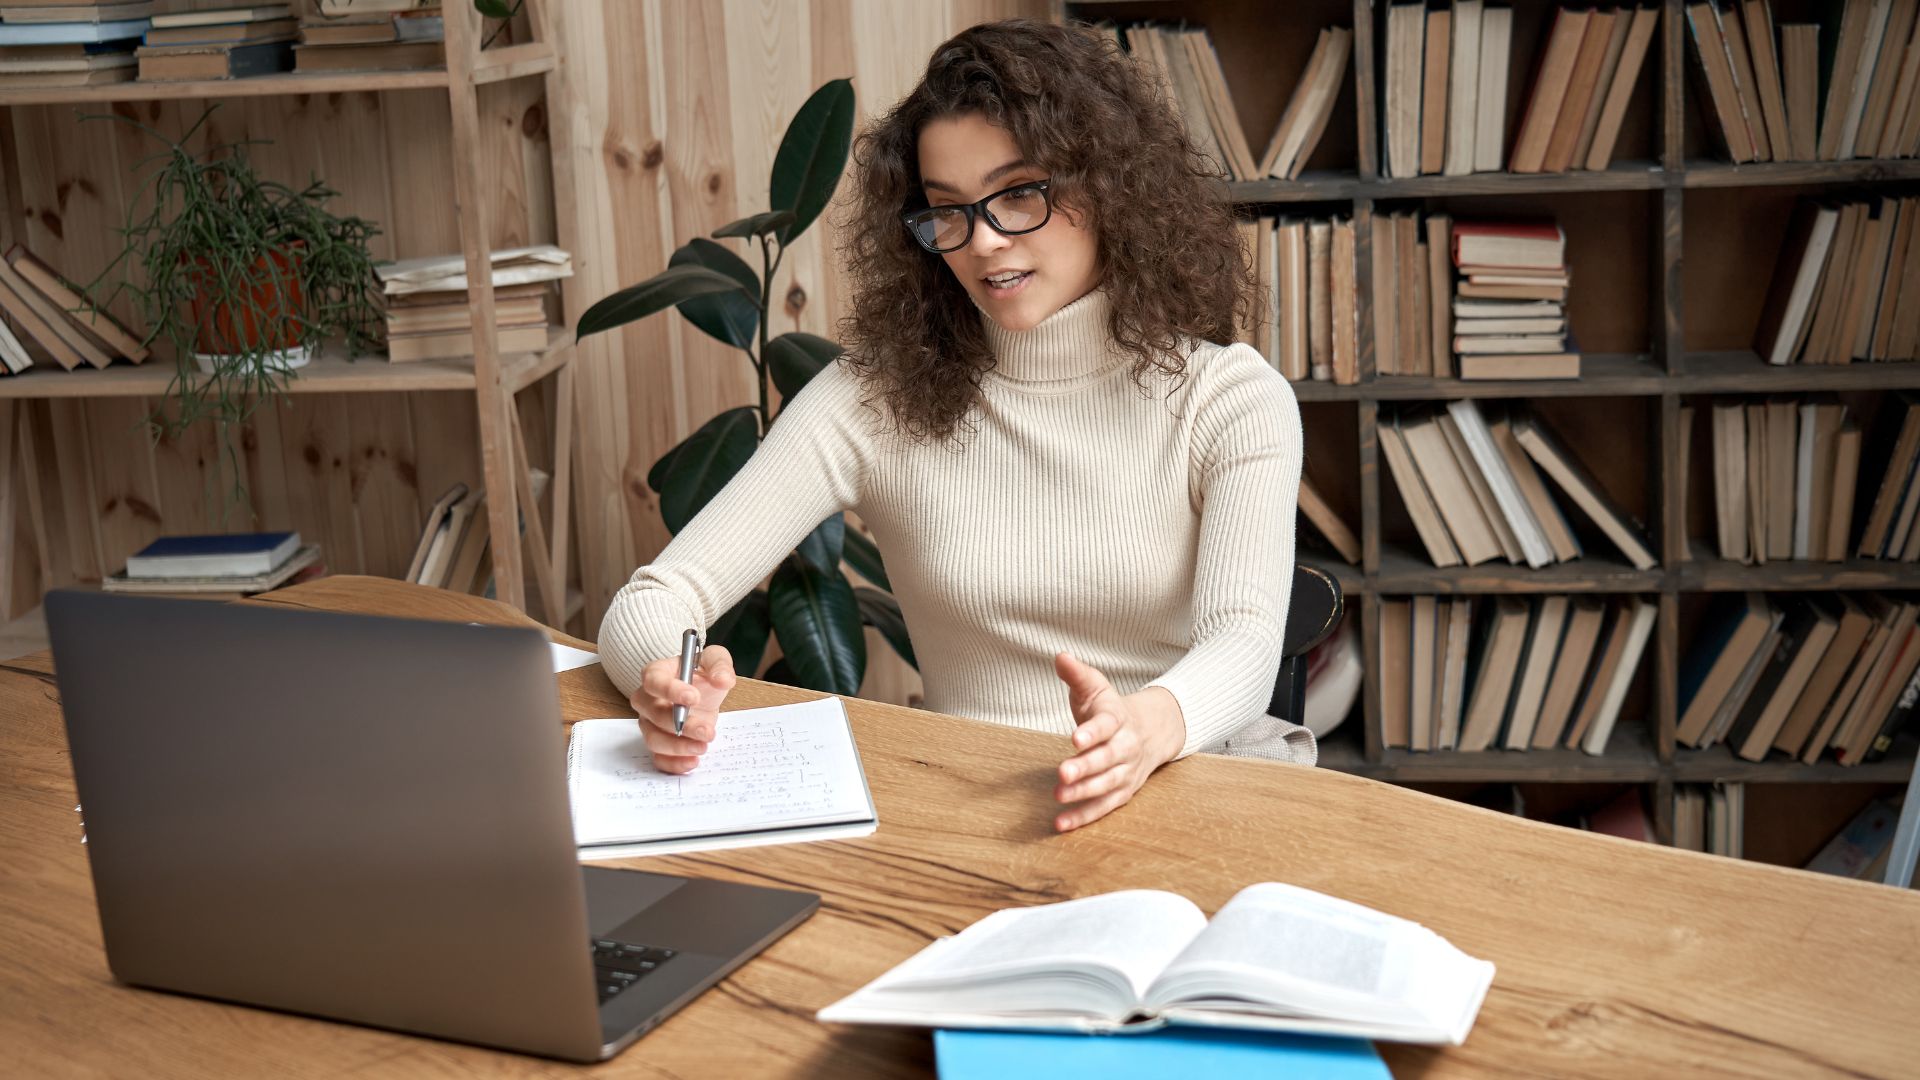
[{"x": 1121, "y": 163}]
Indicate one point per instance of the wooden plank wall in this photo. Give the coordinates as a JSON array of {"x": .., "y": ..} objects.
[{"x": 679, "y": 107}]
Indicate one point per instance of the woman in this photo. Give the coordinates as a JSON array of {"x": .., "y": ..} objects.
[{"x": 1086, "y": 506}]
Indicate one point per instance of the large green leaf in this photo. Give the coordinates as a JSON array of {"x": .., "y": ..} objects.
[
  {"x": 770, "y": 221},
  {"x": 728, "y": 317},
  {"x": 822, "y": 546},
  {"x": 703, "y": 464},
  {"x": 882, "y": 612},
  {"x": 812, "y": 155},
  {"x": 864, "y": 557},
  {"x": 796, "y": 357},
  {"x": 493, "y": 9},
  {"x": 781, "y": 672},
  {"x": 744, "y": 631},
  {"x": 657, "y": 293},
  {"x": 818, "y": 621}
]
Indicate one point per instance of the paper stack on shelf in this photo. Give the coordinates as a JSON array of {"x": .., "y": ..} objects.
[
  {"x": 428, "y": 316},
  {"x": 217, "y": 566}
]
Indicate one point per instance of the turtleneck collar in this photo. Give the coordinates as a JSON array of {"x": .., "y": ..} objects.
[{"x": 1064, "y": 348}]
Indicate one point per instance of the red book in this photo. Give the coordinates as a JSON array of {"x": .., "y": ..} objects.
[{"x": 1540, "y": 246}]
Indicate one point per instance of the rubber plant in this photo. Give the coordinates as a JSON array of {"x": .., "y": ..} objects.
[
  {"x": 241, "y": 270},
  {"x": 809, "y": 606}
]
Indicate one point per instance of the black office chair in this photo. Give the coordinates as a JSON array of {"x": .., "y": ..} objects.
[{"x": 1312, "y": 616}]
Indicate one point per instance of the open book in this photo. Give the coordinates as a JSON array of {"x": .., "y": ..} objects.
[
  {"x": 1276, "y": 957},
  {"x": 770, "y": 776}
]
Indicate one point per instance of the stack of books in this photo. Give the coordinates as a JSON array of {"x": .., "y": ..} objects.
[
  {"x": 373, "y": 35},
  {"x": 1469, "y": 482},
  {"x": 66, "y": 45},
  {"x": 1846, "y": 286},
  {"x": 1460, "y": 673},
  {"x": 1710, "y": 818},
  {"x": 1585, "y": 80},
  {"x": 217, "y": 567},
  {"x": 1509, "y": 305},
  {"x": 219, "y": 43},
  {"x": 1764, "y": 90},
  {"x": 51, "y": 320},
  {"x": 1802, "y": 674},
  {"x": 428, "y": 316},
  {"x": 454, "y": 548},
  {"x": 1189, "y": 70},
  {"x": 1304, "y": 282}
]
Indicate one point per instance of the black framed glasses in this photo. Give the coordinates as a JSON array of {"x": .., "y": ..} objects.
[{"x": 1015, "y": 210}]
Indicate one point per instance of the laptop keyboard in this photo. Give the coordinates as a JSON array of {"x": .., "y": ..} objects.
[{"x": 619, "y": 964}]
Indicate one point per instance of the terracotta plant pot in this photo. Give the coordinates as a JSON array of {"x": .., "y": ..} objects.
[{"x": 225, "y": 330}]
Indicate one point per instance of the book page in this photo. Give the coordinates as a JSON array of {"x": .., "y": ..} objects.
[
  {"x": 786, "y": 766},
  {"x": 1278, "y": 948}
]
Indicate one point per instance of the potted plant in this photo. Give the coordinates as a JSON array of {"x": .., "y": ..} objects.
[
  {"x": 244, "y": 278},
  {"x": 809, "y": 605}
]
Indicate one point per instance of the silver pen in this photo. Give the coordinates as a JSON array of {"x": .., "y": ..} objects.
[{"x": 689, "y": 648}]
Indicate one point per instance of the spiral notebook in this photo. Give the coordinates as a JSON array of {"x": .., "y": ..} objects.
[{"x": 777, "y": 775}]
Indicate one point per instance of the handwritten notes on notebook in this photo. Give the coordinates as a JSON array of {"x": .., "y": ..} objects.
[{"x": 770, "y": 776}]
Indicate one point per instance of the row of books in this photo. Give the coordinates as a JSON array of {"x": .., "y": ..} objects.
[
  {"x": 1502, "y": 317},
  {"x": 1863, "y": 846},
  {"x": 1189, "y": 69},
  {"x": 1710, "y": 818},
  {"x": 1468, "y": 479},
  {"x": 1510, "y": 673},
  {"x": 1784, "y": 476},
  {"x": 1764, "y": 82},
  {"x": 428, "y": 312},
  {"x": 1444, "y": 103},
  {"x": 1802, "y": 674},
  {"x": 1846, "y": 286},
  {"x": 220, "y": 566},
  {"x": 47, "y": 320},
  {"x": 1306, "y": 297},
  {"x": 455, "y": 548}
]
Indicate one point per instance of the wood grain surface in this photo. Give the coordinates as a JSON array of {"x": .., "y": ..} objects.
[{"x": 1614, "y": 958}]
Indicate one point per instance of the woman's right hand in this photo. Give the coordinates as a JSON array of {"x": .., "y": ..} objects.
[{"x": 661, "y": 689}]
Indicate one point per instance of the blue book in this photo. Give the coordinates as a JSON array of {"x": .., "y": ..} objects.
[
  {"x": 1215, "y": 1054},
  {"x": 70, "y": 33},
  {"x": 226, "y": 555}
]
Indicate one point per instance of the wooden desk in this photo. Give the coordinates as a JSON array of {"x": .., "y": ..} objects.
[{"x": 1615, "y": 958}]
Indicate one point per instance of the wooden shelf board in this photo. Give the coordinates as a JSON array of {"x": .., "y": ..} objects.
[
  {"x": 1720, "y": 763},
  {"x": 1621, "y": 176},
  {"x": 1402, "y": 572},
  {"x": 285, "y": 83},
  {"x": 513, "y": 62},
  {"x": 1601, "y": 375},
  {"x": 1716, "y": 575},
  {"x": 1721, "y": 174},
  {"x": 330, "y": 373},
  {"x": 1742, "y": 371},
  {"x": 1629, "y": 759},
  {"x": 1317, "y": 186}
]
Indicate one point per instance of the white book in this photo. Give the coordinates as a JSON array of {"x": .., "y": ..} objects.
[
  {"x": 1803, "y": 483},
  {"x": 776, "y": 775},
  {"x": 448, "y": 273},
  {"x": 1275, "y": 958},
  {"x": 1638, "y": 631},
  {"x": 1463, "y": 76},
  {"x": 1490, "y": 126},
  {"x": 1506, "y": 491},
  {"x": 12, "y": 352},
  {"x": 1466, "y": 308}
]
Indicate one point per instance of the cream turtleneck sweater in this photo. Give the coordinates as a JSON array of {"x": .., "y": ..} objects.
[{"x": 1150, "y": 535}]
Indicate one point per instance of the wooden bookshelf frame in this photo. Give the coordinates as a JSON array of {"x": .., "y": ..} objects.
[
  {"x": 1663, "y": 374},
  {"x": 492, "y": 377}
]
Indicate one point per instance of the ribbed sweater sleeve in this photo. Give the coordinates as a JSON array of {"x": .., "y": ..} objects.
[
  {"x": 1247, "y": 456},
  {"x": 808, "y": 468}
]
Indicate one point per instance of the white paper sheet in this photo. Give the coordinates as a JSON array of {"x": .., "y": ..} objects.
[
  {"x": 787, "y": 767},
  {"x": 566, "y": 657}
]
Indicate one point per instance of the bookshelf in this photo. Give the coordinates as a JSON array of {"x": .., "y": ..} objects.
[
  {"x": 1662, "y": 336},
  {"x": 491, "y": 377}
]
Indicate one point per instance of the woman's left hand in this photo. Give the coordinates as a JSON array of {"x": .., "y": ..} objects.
[{"x": 1119, "y": 740}]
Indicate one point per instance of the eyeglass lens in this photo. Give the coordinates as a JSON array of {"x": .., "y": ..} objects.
[{"x": 1017, "y": 211}]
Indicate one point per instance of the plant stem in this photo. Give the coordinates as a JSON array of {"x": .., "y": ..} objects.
[{"x": 766, "y": 315}]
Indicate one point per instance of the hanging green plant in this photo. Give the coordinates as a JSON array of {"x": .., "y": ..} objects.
[{"x": 243, "y": 277}]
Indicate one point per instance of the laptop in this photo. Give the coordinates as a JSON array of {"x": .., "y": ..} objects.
[{"x": 365, "y": 818}]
